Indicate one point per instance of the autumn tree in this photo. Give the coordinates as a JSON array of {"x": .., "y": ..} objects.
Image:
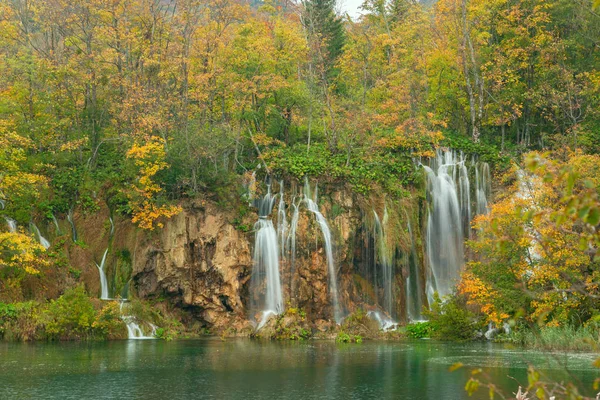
[{"x": 147, "y": 209}]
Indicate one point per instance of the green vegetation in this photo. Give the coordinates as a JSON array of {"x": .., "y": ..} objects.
[
  {"x": 561, "y": 338},
  {"x": 419, "y": 330},
  {"x": 99, "y": 108},
  {"x": 84, "y": 120},
  {"x": 357, "y": 326},
  {"x": 73, "y": 316},
  {"x": 291, "y": 325},
  {"x": 343, "y": 337},
  {"x": 450, "y": 320},
  {"x": 76, "y": 316}
]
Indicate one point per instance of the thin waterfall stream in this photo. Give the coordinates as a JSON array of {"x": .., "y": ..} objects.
[
  {"x": 333, "y": 286},
  {"x": 414, "y": 301},
  {"x": 383, "y": 276},
  {"x": 266, "y": 280},
  {"x": 43, "y": 241},
  {"x": 103, "y": 281},
  {"x": 12, "y": 224}
]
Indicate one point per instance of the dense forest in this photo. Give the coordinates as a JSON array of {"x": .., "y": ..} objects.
[{"x": 143, "y": 105}]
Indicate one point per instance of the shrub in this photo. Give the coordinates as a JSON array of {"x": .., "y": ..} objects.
[
  {"x": 20, "y": 321},
  {"x": 343, "y": 337},
  {"x": 292, "y": 325},
  {"x": 71, "y": 315},
  {"x": 108, "y": 323},
  {"x": 450, "y": 320},
  {"x": 419, "y": 330},
  {"x": 164, "y": 334}
]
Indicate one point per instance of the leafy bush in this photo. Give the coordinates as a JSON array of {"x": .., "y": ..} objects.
[
  {"x": 419, "y": 330},
  {"x": 450, "y": 320},
  {"x": 485, "y": 152},
  {"x": 360, "y": 324},
  {"x": 20, "y": 321},
  {"x": 71, "y": 315},
  {"x": 365, "y": 171},
  {"x": 108, "y": 323},
  {"x": 292, "y": 325},
  {"x": 164, "y": 334},
  {"x": 343, "y": 337}
]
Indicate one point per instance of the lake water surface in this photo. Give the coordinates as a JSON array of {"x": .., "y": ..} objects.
[{"x": 246, "y": 369}]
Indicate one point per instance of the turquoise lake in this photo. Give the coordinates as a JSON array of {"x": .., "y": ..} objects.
[{"x": 246, "y": 369}]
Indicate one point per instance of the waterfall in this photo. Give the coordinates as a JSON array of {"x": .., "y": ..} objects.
[
  {"x": 43, "y": 241},
  {"x": 385, "y": 323},
  {"x": 414, "y": 302},
  {"x": 54, "y": 220},
  {"x": 312, "y": 207},
  {"x": 450, "y": 213},
  {"x": 266, "y": 262},
  {"x": 383, "y": 282},
  {"x": 72, "y": 222},
  {"x": 134, "y": 330},
  {"x": 482, "y": 186},
  {"x": 12, "y": 224},
  {"x": 281, "y": 223},
  {"x": 103, "y": 281},
  {"x": 291, "y": 242},
  {"x": 112, "y": 226}
]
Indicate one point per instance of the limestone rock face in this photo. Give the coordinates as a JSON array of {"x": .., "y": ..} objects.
[
  {"x": 197, "y": 262},
  {"x": 201, "y": 262}
]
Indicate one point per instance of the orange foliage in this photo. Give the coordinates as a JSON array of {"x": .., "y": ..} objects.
[{"x": 150, "y": 159}]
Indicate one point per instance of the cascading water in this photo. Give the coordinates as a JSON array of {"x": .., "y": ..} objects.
[
  {"x": 385, "y": 323},
  {"x": 12, "y": 224},
  {"x": 282, "y": 225},
  {"x": 383, "y": 275},
  {"x": 112, "y": 227},
  {"x": 72, "y": 222},
  {"x": 266, "y": 281},
  {"x": 449, "y": 220},
  {"x": 55, "y": 221},
  {"x": 482, "y": 186},
  {"x": 43, "y": 241},
  {"x": 291, "y": 243},
  {"x": 103, "y": 280},
  {"x": 312, "y": 207},
  {"x": 414, "y": 302},
  {"x": 134, "y": 330}
]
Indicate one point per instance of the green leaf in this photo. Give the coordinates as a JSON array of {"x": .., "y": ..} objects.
[
  {"x": 583, "y": 212},
  {"x": 593, "y": 216}
]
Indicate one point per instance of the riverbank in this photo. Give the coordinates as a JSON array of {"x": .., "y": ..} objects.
[{"x": 77, "y": 317}]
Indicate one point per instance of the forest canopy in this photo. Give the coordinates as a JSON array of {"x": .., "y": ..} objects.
[{"x": 148, "y": 101}]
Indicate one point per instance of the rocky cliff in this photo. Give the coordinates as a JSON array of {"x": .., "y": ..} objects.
[{"x": 201, "y": 264}]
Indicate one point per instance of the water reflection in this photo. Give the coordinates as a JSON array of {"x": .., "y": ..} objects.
[{"x": 244, "y": 369}]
